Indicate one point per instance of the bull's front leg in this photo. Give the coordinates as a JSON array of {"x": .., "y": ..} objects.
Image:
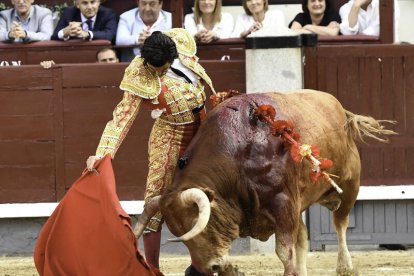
[{"x": 287, "y": 223}]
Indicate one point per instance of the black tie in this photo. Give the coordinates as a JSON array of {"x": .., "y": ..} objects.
[
  {"x": 89, "y": 23},
  {"x": 181, "y": 74}
]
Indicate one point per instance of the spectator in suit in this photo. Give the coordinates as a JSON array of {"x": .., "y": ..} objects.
[
  {"x": 208, "y": 23},
  {"x": 317, "y": 17},
  {"x": 137, "y": 24},
  {"x": 362, "y": 17},
  {"x": 25, "y": 22},
  {"x": 86, "y": 20}
]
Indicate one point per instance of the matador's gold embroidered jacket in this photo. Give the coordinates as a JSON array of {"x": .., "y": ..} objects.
[{"x": 174, "y": 97}]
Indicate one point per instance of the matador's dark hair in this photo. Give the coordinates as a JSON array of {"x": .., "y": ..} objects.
[{"x": 158, "y": 49}]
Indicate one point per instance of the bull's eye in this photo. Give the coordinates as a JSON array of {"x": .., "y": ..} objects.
[
  {"x": 182, "y": 162},
  {"x": 215, "y": 268}
]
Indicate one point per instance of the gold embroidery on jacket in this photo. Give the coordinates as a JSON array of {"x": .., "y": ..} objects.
[
  {"x": 116, "y": 129},
  {"x": 181, "y": 98},
  {"x": 191, "y": 62},
  {"x": 140, "y": 81},
  {"x": 187, "y": 49},
  {"x": 184, "y": 42}
]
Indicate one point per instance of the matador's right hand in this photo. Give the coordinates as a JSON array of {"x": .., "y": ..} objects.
[{"x": 90, "y": 163}]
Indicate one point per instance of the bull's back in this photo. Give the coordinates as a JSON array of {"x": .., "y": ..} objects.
[{"x": 314, "y": 114}]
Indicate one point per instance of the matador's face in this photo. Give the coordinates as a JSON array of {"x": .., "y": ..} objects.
[{"x": 159, "y": 71}]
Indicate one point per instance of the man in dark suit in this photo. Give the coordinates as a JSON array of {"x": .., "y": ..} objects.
[{"x": 86, "y": 20}]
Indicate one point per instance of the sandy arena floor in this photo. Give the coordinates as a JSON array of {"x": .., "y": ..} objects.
[{"x": 368, "y": 263}]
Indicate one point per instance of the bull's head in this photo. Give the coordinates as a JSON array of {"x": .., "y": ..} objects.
[
  {"x": 186, "y": 198},
  {"x": 187, "y": 214}
]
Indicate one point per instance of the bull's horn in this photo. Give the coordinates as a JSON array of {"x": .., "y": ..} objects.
[
  {"x": 150, "y": 209},
  {"x": 197, "y": 196}
]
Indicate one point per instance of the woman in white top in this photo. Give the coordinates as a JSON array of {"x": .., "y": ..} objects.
[
  {"x": 208, "y": 23},
  {"x": 257, "y": 16}
]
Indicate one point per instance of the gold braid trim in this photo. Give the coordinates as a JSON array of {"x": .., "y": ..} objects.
[
  {"x": 140, "y": 81},
  {"x": 191, "y": 62},
  {"x": 184, "y": 42},
  {"x": 116, "y": 129},
  {"x": 181, "y": 98},
  {"x": 187, "y": 49},
  {"x": 164, "y": 149}
]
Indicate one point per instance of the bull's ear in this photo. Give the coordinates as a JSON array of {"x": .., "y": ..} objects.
[{"x": 209, "y": 193}]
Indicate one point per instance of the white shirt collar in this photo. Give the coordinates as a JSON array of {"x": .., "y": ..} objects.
[
  {"x": 159, "y": 19},
  {"x": 83, "y": 18}
]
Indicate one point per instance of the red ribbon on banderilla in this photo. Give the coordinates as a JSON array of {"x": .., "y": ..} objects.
[{"x": 285, "y": 130}]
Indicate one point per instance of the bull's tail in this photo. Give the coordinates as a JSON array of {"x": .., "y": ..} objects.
[{"x": 358, "y": 126}]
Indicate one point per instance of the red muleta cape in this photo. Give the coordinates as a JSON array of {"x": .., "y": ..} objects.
[{"x": 89, "y": 234}]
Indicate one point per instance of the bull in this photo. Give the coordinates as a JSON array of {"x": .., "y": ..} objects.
[{"x": 236, "y": 179}]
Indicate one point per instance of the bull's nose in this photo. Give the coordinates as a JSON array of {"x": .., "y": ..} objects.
[{"x": 215, "y": 268}]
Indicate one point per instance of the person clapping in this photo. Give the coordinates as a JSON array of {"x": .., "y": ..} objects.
[{"x": 208, "y": 22}]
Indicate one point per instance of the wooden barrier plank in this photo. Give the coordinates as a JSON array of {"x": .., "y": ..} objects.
[
  {"x": 73, "y": 51},
  {"x": 349, "y": 85},
  {"x": 134, "y": 177},
  {"x": 19, "y": 102},
  {"x": 410, "y": 162},
  {"x": 9, "y": 58},
  {"x": 16, "y": 178},
  {"x": 373, "y": 87},
  {"x": 93, "y": 100},
  {"x": 226, "y": 75},
  {"x": 232, "y": 51},
  {"x": 364, "y": 99},
  {"x": 58, "y": 132},
  {"x": 27, "y": 195},
  {"x": 37, "y": 127},
  {"x": 68, "y": 55},
  {"x": 409, "y": 95},
  {"x": 328, "y": 76},
  {"x": 77, "y": 149},
  {"x": 310, "y": 68},
  {"x": 130, "y": 177},
  {"x": 399, "y": 113},
  {"x": 93, "y": 75},
  {"x": 388, "y": 67},
  {"x": 365, "y": 50},
  {"x": 27, "y": 153},
  {"x": 20, "y": 78}
]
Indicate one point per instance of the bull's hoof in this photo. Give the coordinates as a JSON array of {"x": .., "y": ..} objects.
[
  {"x": 346, "y": 274},
  {"x": 230, "y": 270},
  {"x": 191, "y": 271}
]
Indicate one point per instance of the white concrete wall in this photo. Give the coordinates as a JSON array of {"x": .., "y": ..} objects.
[
  {"x": 406, "y": 32},
  {"x": 406, "y": 20}
]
